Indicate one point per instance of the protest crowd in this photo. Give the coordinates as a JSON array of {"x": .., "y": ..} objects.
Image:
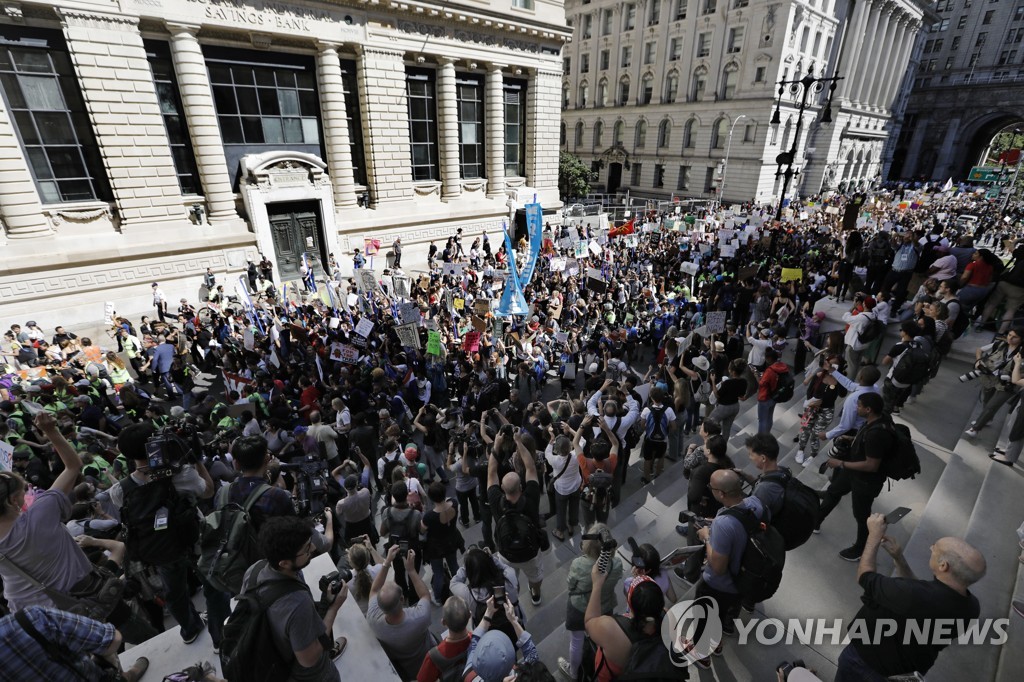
[{"x": 201, "y": 456}]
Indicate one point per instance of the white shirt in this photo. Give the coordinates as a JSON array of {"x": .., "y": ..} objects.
[
  {"x": 946, "y": 267},
  {"x": 857, "y": 324},
  {"x": 571, "y": 480}
]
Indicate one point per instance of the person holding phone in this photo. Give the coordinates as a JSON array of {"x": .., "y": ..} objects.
[{"x": 404, "y": 632}]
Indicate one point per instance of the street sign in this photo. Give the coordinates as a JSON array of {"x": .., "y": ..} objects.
[{"x": 983, "y": 174}]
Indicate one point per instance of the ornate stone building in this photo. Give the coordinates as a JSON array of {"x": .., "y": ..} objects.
[
  {"x": 968, "y": 83},
  {"x": 145, "y": 140},
  {"x": 657, "y": 93}
]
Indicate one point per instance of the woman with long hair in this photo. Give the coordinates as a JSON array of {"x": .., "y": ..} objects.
[{"x": 616, "y": 635}]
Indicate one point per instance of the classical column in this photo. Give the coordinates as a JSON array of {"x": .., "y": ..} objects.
[
  {"x": 852, "y": 43},
  {"x": 886, "y": 29},
  {"x": 494, "y": 112},
  {"x": 384, "y": 109},
  {"x": 448, "y": 130},
  {"x": 542, "y": 130},
  {"x": 882, "y": 77},
  {"x": 867, "y": 55},
  {"x": 20, "y": 208},
  {"x": 197, "y": 99},
  {"x": 896, "y": 76},
  {"x": 333, "y": 115}
]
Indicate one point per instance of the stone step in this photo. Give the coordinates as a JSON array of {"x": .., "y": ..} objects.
[
  {"x": 1011, "y": 654},
  {"x": 991, "y": 530}
]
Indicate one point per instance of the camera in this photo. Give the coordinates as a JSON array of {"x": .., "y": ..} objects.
[
  {"x": 310, "y": 485},
  {"x": 330, "y": 583},
  {"x": 972, "y": 375},
  {"x": 788, "y": 666},
  {"x": 172, "y": 447},
  {"x": 608, "y": 545}
]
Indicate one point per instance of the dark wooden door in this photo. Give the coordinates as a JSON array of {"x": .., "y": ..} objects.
[{"x": 296, "y": 230}]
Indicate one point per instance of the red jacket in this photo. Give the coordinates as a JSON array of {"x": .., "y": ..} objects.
[{"x": 770, "y": 379}]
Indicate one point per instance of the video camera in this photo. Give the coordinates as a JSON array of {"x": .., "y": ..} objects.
[
  {"x": 608, "y": 545},
  {"x": 311, "y": 476},
  {"x": 172, "y": 447}
]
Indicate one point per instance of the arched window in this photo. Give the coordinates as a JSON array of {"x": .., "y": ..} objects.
[
  {"x": 617, "y": 133},
  {"x": 598, "y": 135},
  {"x": 729, "y": 78},
  {"x": 786, "y": 132},
  {"x": 647, "y": 88},
  {"x": 623, "y": 91},
  {"x": 602, "y": 93},
  {"x": 671, "y": 87},
  {"x": 689, "y": 136},
  {"x": 584, "y": 95},
  {"x": 664, "y": 133},
  {"x": 804, "y": 36},
  {"x": 700, "y": 81},
  {"x": 817, "y": 44},
  {"x": 565, "y": 96},
  {"x": 719, "y": 133},
  {"x": 641, "y": 134},
  {"x": 578, "y": 137},
  {"x": 561, "y": 135}
]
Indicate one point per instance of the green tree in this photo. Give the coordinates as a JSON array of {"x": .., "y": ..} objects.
[{"x": 574, "y": 177}]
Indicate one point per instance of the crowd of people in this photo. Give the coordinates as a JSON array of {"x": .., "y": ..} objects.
[{"x": 377, "y": 419}]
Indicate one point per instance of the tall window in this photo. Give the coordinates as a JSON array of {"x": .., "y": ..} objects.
[
  {"x": 703, "y": 44},
  {"x": 664, "y": 133},
  {"x": 650, "y": 50},
  {"x": 729, "y": 78},
  {"x": 689, "y": 134},
  {"x": 655, "y": 13},
  {"x": 264, "y": 101},
  {"x": 606, "y": 22},
  {"x": 675, "y": 48},
  {"x": 635, "y": 172},
  {"x": 587, "y": 26},
  {"x": 469, "y": 97},
  {"x": 659, "y": 176},
  {"x": 515, "y": 129},
  {"x": 624, "y": 92},
  {"x": 671, "y": 87},
  {"x": 709, "y": 6},
  {"x": 159, "y": 56},
  {"x": 577, "y": 139},
  {"x": 617, "y": 133},
  {"x": 598, "y": 135},
  {"x": 584, "y": 63},
  {"x": 422, "y": 124},
  {"x": 640, "y": 139},
  {"x": 680, "y": 12},
  {"x": 584, "y": 95},
  {"x": 736, "y": 39},
  {"x": 629, "y": 17},
  {"x": 709, "y": 179},
  {"x": 700, "y": 80},
  {"x": 561, "y": 135},
  {"x": 41, "y": 92},
  {"x": 602, "y": 93},
  {"x": 719, "y": 133},
  {"x": 627, "y": 56},
  {"x": 604, "y": 60},
  {"x": 647, "y": 88},
  {"x": 683, "y": 181}
]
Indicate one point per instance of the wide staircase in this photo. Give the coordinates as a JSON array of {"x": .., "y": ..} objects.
[{"x": 960, "y": 492}]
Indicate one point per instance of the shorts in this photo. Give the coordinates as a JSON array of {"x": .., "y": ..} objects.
[
  {"x": 653, "y": 450},
  {"x": 532, "y": 569}
]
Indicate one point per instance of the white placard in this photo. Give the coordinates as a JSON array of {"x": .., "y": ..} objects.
[
  {"x": 408, "y": 336},
  {"x": 108, "y": 312},
  {"x": 364, "y": 327},
  {"x": 690, "y": 268},
  {"x": 366, "y": 280},
  {"x": 248, "y": 339},
  {"x": 595, "y": 248},
  {"x": 334, "y": 323},
  {"x": 594, "y": 273},
  {"x": 409, "y": 313},
  {"x": 6, "y": 456}
]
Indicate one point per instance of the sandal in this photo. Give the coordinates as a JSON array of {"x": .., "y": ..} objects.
[
  {"x": 339, "y": 647},
  {"x": 559, "y": 534}
]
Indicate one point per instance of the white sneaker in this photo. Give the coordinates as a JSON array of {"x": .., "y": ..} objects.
[
  {"x": 564, "y": 667},
  {"x": 971, "y": 432},
  {"x": 799, "y": 456},
  {"x": 808, "y": 462}
]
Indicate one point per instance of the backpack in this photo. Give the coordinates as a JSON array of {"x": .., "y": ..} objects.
[
  {"x": 764, "y": 556},
  {"x": 143, "y": 542},
  {"x": 649, "y": 658},
  {"x": 703, "y": 391},
  {"x": 902, "y": 463},
  {"x": 657, "y": 425},
  {"x": 784, "y": 387},
  {"x": 874, "y": 329},
  {"x": 634, "y": 434},
  {"x": 796, "y": 519},
  {"x": 515, "y": 534},
  {"x": 248, "y": 652},
  {"x": 912, "y": 365},
  {"x": 962, "y": 321},
  {"x": 229, "y": 546},
  {"x": 450, "y": 668}
]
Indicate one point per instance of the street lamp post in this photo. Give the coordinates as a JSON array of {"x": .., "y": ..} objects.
[
  {"x": 805, "y": 86},
  {"x": 725, "y": 162},
  {"x": 1009, "y": 191}
]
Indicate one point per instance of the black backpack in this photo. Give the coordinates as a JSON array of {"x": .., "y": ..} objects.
[
  {"x": 962, "y": 321},
  {"x": 143, "y": 541},
  {"x": 515, "y": 534},
  {"x": 902, "y": 462},
  {"x": 796, "y": 519},
  {"x": 872, "y": 331},
  {"x": 913, "y": 364},
  {"x": 450, "y": 668},
  {"x": 764, "y": 557},
  {"x": 649, "y": 659},
  {"x": 229, "y": 544},
  {"x": 784, "y": 387},
  {"x": 248, "y": 652},
  {"x": 657, "y": 425}
]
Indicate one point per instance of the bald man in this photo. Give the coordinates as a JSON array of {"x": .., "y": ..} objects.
[
  {"x": 403, "y": 631},
  {"x": 724, "y": 541},
  {"x": 955, "y": 566},
  {"x": 518, "y": 530}
]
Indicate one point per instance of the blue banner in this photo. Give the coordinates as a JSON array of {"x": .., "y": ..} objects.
[
  {"x": 512, "y": 300},
  {"x": 535, "y": 227}
]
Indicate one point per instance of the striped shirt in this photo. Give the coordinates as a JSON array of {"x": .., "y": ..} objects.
[{"x": 22, "y": 658}]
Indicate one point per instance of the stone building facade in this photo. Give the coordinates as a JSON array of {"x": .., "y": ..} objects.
[
  {"x": 657, "y": 93},
  {"x": 145, "y": 140},
  {"x": 967, "y": 84}
]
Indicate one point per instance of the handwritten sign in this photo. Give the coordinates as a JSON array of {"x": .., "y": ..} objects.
[
  {"x": 716, "y": 321},
  {"x": 409, "y": 313},
  {"x": 481, "y": 306},
  {"x": 366, "y": 280},
  {"x": 364, "y": 327},
  {"x": 349, "y": 354},
  {"x": 471, "y": 343},
  {"x": 433, "y": 342},
  {"x": 401, "y": 286},
  {"x": 459, "y": 303},
  {"x": 792, "y": 274},
  {"x": 408, "y": 335},
  {"x": 336, "y": 351},
  {"x": 6, "y": 456},
  {"x": 690, "y": 268}
]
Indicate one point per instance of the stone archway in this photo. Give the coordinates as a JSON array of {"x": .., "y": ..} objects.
[{"x": 975, "y": 136}]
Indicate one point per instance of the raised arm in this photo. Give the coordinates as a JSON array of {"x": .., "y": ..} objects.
[
  {"x": 382, "y": 575},
  {"x": 527, "y": 457},
  {"x": 67, "y": 479}
]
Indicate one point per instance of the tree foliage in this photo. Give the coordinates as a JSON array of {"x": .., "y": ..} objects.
[{"x": 574, "y": 177}]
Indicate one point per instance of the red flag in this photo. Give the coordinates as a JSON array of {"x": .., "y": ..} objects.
[{"x": 622, "y": 230}]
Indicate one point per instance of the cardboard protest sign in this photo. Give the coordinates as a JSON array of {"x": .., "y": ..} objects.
[
  {"x": 409, "y": 313},
  {"x": 333, "y": 323},
  {"x": 690, "y": 268},
  {"x": 459, "y": 303},
  {"x": 349, "y": 354},
  {"x": 595, "y": 248},
  {"x": 401, "y": 286},
  {"x": 335, "y": 352},
  {"x": 745, "y": 273},
  {"x": 716, "y": 321},
  {"x": 481, "y": 306},
  {"x": 433, "y": 342},
  {"x": 792, "y": 274},
  {"x": 479, "y": 323},
  {"x": 452, "y": 269},
  {"x": 471, "y": 342},
  {"x": 364, "y": 327},
  {"x": 408, "y": 336},
  {"x": 366, "y": 281},
  {"x": 6, "y": 456}
]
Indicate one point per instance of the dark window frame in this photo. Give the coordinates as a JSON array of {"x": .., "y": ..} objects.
[
  {"x": 165, "y": 81},
  {"x": 421, "y": 85}
]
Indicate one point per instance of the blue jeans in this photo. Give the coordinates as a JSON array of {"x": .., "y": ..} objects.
[
  {"x": 691, "y": 416},
  {"x": 852, "y": 668},
  {"x": 438, "y": 579},
  {"x": 179, "y": 602},
  {"x": 765, "y": 415},
  {"x": 218, "y": 608}
]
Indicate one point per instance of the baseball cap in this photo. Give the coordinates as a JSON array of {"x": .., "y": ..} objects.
[{"x": 494, "y": 656}]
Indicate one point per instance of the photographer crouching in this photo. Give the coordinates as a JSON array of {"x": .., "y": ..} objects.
[{"x": 992, "y": 368}]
